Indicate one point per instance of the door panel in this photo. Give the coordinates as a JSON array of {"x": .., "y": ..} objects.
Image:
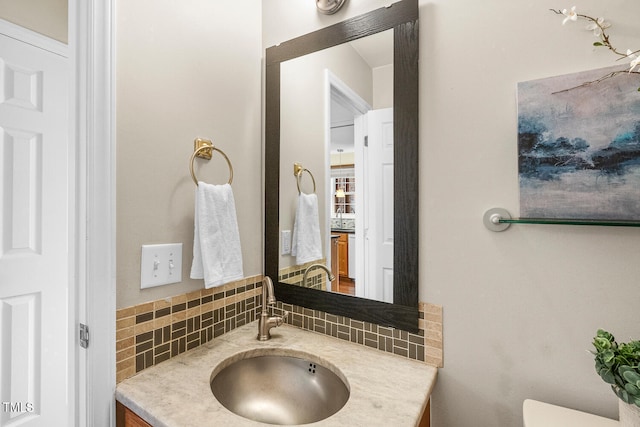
[
  {"x": 35, "y": 323},
  {"x": 378, "y": 205},
  {"x": 385, "y": 223}
]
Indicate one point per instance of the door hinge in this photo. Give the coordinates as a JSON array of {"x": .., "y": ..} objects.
[
  {"x": 84, "y": 335},
  {"x": 366, "y": 141}
]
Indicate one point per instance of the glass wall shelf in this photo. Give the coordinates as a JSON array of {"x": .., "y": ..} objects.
[{"x": 498, "y": 219}]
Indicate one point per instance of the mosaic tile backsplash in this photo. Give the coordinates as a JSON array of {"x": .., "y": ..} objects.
[
  {"x": 149, "y": 333},
  {"x": 317, "y": 278}
]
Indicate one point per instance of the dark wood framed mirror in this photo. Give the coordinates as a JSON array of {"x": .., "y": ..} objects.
[{"x": 402, "y": 18}]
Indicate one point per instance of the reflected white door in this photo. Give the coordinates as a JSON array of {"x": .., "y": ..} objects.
[
  {"x": 377, "y": 176},
  {"x": 37, "y": 382}
]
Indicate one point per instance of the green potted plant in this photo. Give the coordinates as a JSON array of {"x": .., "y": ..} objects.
[{"x": 619, "y": 365}]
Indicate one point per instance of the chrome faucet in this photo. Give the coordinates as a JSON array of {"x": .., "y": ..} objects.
[
  {"x": 313, "y": 266},
  {"x": 266, "y": 321}
]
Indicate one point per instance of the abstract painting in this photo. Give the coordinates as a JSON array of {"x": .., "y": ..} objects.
[{"x": 579, "y": 146}]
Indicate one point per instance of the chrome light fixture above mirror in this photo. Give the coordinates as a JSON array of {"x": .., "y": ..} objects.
[{"x": 329, "y": 7}]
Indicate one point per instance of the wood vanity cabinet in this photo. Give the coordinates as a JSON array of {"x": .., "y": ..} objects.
[
  {"x": 343, "y": 255},
  {"x": 335, "y": 283},
  {"x": 425, "y": 421},
  {"x": 125, "y": 417}
]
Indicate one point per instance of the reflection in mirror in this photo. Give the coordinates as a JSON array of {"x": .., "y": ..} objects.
[
  {"x": 323, "y": 97},
  {"x": 332, "y": 102}
]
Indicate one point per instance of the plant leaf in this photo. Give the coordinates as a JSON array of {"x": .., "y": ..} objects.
[
  {"x": 631, "y": 376},
  {"x": 632, "y": 390},
  {"x": 601, "y": 343},
  {"x": 608, "y": 357},
  {"x": 597, "y": 44},
  {"x": 622, "y": 394},
  {"x": 625, "y": 368},
  {"x": 607, "y": 375}
]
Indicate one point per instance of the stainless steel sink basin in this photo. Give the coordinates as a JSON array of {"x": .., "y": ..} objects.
[{"x": 277, "y": 388}]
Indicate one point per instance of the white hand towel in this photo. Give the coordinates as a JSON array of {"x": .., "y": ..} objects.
[
  {"x": 306, "y": 244},
  {"x": 217, "y": 256}
]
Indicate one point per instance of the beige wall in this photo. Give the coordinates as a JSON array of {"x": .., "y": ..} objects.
[
  {"x": 383, "y": 84},
  {"x": 48, "y": 17},
  {"x": 184, "y": 72},
  {"x": 520, "y": 307}
]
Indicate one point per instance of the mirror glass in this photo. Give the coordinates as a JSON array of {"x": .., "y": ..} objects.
[
  {"x": 336, "y": 121},
  {"x": 341, "y": 168}
]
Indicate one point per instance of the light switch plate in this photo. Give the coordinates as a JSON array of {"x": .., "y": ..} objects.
[
  {"x": 286, "y": 242},
  {"x": 160, "y": 265}
]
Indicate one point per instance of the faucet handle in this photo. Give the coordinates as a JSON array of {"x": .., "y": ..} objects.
[{"x": 281, "y": 319}]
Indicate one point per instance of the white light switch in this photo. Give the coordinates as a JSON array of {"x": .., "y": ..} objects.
[
  {"x": 286, "y": 242},
  {"x": 160, "y": 265}
]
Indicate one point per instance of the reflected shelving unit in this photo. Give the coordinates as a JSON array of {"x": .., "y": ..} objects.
[
  {"x": 498, "y": 219},
  {"x": 347, "y": 198}
]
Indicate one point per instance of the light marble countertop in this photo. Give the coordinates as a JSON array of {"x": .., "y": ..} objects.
[{"x": 385, "y": 389}]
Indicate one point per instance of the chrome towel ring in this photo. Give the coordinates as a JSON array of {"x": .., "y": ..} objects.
[
  {"x": 297, "y": 171},
  {"x": 204, "y": 149}
]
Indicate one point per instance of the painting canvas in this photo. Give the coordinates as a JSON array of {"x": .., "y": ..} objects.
[{"x": 579, "y": 146}]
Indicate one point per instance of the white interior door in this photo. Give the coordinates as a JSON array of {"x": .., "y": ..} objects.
[
  {"x": 37, "y": 382},
  {"x": 378, "y": 206}
]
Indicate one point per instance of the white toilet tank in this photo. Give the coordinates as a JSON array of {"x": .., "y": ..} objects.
[{"x": 540, "y": 414}]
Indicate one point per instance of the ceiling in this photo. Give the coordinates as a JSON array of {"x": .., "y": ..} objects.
[{"x": 376, "y": 49}]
